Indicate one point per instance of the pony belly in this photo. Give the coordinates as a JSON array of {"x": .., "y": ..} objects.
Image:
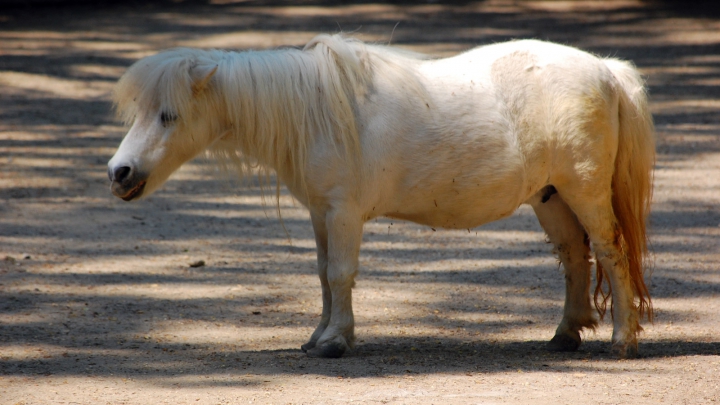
[
  {"x": 450, "y": 220},
  {"x": 454, "y": 213}
]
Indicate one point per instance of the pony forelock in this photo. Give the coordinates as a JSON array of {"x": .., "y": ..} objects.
[{"x": 160, "y": 82}]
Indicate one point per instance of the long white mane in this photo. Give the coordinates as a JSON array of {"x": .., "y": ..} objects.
[{"x": 270, "y": 105}]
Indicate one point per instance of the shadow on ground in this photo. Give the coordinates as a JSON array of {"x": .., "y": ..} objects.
[{"x": 58, "y": 65}]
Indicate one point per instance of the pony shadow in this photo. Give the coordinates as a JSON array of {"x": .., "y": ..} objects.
[{"x": 383, "y": 358}]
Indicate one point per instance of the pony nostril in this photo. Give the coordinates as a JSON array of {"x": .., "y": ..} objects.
[{"x": 121, "y": 173}]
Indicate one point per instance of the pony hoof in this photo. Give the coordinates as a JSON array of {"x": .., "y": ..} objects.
[
  {"x": 624, "y": 351},
  {"x": 329, "y": 350},
  {"x": 564, "y": 343},
  {"x": 307, "y": 346}
]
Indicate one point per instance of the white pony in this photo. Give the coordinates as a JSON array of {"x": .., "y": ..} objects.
[{"x": 357, "y": 131}]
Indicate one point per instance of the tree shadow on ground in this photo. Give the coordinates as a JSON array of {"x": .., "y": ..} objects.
[{"x": 64, "y": 311}]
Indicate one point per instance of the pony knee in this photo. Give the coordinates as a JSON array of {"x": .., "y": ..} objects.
[{"x": 341, "y": 278}]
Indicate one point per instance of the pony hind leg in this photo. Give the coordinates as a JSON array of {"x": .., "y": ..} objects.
[
  {"x": 595, "y": 213},
  {"x": 573, "y": 249}
]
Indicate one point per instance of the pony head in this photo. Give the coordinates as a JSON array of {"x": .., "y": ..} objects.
[
  {"x": 258, "y": 111},
  {"x": 163, "y": 97}
]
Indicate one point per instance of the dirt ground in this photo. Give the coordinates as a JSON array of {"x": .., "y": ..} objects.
[{"x": 99, "y": 303}]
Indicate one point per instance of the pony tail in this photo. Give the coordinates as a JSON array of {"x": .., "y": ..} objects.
[
  {"x": 601, "y": 297},
  {"x": 632, "y": 180}
]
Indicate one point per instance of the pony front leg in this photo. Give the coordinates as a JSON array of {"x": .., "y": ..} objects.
[
  {"x": 321, "y": 240},
  {"x": 337, "y": 325}
]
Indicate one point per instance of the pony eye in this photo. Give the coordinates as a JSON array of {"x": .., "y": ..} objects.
[{"x": 167, "y": 118}]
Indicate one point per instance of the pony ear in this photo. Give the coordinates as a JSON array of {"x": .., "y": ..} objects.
[{"x": 201, "y": 77}]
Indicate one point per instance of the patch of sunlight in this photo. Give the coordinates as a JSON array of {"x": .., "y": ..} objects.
[
  {"x": 97, "y": 69},
  {"x": 704, "y": 188},
  {"x": 16, "y": 319},
  {"x": 250, "y": 39},
  {"x": 37, "y": 182},
  {"x": 678, "y": 70},
  {"x": 232, "y": 337},
  {"x": 33, "y": 134},
  {"x": 19, "y": 83},
  {"x": 579, "y": 5},
  {"x": 25, "y": 352},
  {"x": 376, "y": 10},
  {"x": 44, "y": 158},
  {"x": 673, "y": 106}
]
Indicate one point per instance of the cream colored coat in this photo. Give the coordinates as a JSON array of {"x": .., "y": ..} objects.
[{"x": 357, "y": 131}]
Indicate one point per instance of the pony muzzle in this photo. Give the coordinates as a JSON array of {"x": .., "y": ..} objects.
[
  {"x": 126, "y": 184},
  {"x": 128, "y": 195}
]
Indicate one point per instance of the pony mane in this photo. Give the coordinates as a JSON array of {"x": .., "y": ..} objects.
[{"x": 281, "y": 101}]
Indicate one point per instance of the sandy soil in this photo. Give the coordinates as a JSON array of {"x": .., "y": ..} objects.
[{"x": 98, "y": 303}]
